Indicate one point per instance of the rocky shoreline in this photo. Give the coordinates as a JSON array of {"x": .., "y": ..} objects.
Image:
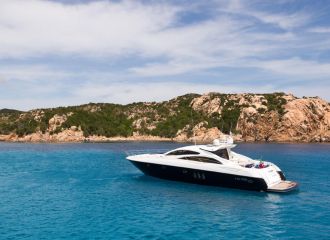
[
  {"x": 78, "y": 138},
  {"x": 75, "y": 137}
]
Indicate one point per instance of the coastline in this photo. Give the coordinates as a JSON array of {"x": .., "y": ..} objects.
[
  {"x": 276, "y": 117},
  {"x": 151, "y": 139}
]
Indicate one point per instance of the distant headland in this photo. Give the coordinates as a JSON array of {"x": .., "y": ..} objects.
[{"x": 277, "y": 117}]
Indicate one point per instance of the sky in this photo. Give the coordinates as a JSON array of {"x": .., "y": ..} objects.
[{"x": 71, "y": 52}]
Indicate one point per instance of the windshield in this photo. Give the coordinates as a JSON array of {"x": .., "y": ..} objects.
[{"x": 223, "y": 153}]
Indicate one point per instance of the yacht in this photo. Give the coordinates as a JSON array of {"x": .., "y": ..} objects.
[{"x": 214, "y": 164}]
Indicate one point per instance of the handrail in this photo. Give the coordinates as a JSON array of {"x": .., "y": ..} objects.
[{"x": 145, "y": 151}]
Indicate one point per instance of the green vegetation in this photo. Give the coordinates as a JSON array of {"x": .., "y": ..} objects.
[
  {"x": 227, "y": 121},
  {"x": 26, "y": 127},
  {"x": 275, "y": 102},
  {"x": 10, "y": 122},
  {"x": 9, "y": 111},
  {"x": 183, "y": 115},
  {"x": 109, "y": 122},
  {"x": 21, "y": 126},
  {"x": 163, "y": 119}
]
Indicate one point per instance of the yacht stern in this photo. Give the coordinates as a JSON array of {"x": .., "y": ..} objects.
[{"x": 283, "y": 186}]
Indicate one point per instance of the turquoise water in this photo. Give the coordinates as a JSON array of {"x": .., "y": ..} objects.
[{"x": 89, "y": 191}]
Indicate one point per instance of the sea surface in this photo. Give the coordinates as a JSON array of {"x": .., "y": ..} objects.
[{"x": 89, "y": 191}]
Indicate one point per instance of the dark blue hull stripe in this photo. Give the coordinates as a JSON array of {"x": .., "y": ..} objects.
[{"x": 201, "y": 176}]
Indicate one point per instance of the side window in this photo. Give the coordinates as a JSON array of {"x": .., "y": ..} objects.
[
  {"x": 202, "y": 159},
  {"x": 183, "y": 152}
]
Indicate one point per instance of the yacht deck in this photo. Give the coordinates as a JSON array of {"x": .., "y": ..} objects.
[{"x": 283, "y": 186}]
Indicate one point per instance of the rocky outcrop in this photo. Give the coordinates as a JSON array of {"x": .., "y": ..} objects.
[
  {"x": 56, "y": 121},
  {"x": 304, "y": 120},
  {"x": 199, "y": 133},
  {"x": 207, "y": 104},
  {"x": 66, "y": 135},
  {"x": 299, "y": 120}
]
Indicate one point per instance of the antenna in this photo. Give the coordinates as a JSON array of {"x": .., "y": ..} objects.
[
  {"x": 192, "y": 125},
  {"x": 221, "y": 126}
]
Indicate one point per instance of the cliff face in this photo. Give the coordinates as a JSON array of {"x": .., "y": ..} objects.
[
  {"x": 303, "y": 120},
  {"x": 274, "y": 117},
  {"x": 251, "y": 117}
]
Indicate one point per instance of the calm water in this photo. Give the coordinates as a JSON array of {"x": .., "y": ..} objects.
[{"x": 89, "y": 191}]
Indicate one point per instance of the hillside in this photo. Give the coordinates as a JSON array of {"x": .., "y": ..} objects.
[{"x": 251, "y": 117}]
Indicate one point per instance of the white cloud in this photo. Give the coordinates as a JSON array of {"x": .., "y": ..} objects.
[
  {"x": 43, "y": 73},
  {"x": 31, "y": 72},
  {"x": 102, "y": 28},
  {"x": 173, "y": 68},
  {"x": 238, "y": 36},
  {"x": 127, "y": 92},
  {"x": 285, "y": 21},
  {"x": 116, "y": 30},
  {"x": 320, "y": 30},
  {"x": 34, "y": 27},
  {"x": 297, "y": 67},
  {"x": 119, "y": 29},
  {"x": 152, "y": 91},
  {"x": 223, "y": 42}
]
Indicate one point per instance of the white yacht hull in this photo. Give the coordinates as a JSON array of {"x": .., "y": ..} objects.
[
  {"x": 206, "y": 174},
  {"x": 214, "y": 164},
  {"x": 201, "y": 176}
]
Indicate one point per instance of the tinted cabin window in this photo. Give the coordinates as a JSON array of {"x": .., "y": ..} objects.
[
  {"x": 183, "y": 152},
  {"x": 223, "y": 153},
  {"x": 202, "y": 159}
]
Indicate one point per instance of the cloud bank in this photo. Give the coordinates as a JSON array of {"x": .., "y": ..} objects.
[{"x": 93, "y": 50}]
